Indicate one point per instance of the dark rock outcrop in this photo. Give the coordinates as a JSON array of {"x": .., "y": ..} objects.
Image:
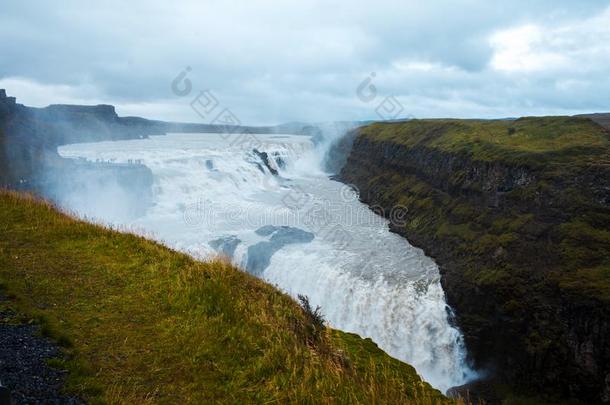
[
  {"x": 339, "y": 150},
  {"x": 264, "y": 157},
  {"x": 29, "y": 138},
  {"x": 259, "y": 254},
  {"x": 521, "y": 239},
  {"x": 226, "y": 245}
]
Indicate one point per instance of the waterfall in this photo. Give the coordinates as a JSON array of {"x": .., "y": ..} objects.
[{"x": 268, "y": 204}]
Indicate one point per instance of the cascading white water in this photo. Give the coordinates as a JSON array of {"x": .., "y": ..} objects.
[{"x": 215, "y": 192}]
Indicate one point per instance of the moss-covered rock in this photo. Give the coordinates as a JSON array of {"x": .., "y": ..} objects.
[{"x": 516, "y": 213}]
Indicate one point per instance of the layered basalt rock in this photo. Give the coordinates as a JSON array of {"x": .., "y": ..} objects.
[{"x": 517, "y": 215}]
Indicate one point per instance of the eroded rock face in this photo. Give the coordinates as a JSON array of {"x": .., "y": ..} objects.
[
  {"x": 337, "y": 154},
  {"x": 29, "y": 138},
  {"x": 226, "y": 245},
  {"x": 264, "y": 156},
  {"x": 516, "y": 244},
  {"x": 259, "y": 254}
]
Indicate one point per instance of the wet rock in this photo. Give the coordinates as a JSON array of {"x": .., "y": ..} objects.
[
  {"x": 279, "y": 161},
  {"x": 477, "y": 392},
  {"x": 259, "y": 254},
  {"x": 266, "y": 230},
  {"x": 225, "y": 245},
  {"x": 265, "y": 158}
]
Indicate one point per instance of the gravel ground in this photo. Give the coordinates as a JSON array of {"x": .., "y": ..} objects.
[{"x": 23, "y": 367}]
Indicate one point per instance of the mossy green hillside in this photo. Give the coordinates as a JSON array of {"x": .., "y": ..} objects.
[
  {"x": 517, "y": 214},
  {"x": 528, "y": 140},
  {"x": 555, "y": 152},
  {"x": 141, "y": 323}
]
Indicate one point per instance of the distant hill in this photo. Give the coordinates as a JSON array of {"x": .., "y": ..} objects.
[{"x": 602, "y": 119}]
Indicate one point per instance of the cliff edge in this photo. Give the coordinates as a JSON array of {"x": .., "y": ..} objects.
[{"x": 517, "y": 215}]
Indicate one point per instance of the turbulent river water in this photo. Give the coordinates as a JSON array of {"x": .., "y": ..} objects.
[{"x": 265, "y": 202}]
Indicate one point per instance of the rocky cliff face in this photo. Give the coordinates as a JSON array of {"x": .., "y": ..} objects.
[
  {"x": 517, "y": 216},
  {"x": 29, "y": 136},
  {"x": 28, "y": 149}
]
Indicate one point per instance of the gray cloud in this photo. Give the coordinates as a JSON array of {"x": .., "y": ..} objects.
[{"x": 271, "y": 62}]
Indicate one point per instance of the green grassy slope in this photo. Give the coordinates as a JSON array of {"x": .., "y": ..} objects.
[
  {"x": 529, "y": 140},
  {"x": 141, "y": 323}
]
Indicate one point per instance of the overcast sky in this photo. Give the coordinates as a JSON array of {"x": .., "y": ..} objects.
[{"x": 271, "y": 61}]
